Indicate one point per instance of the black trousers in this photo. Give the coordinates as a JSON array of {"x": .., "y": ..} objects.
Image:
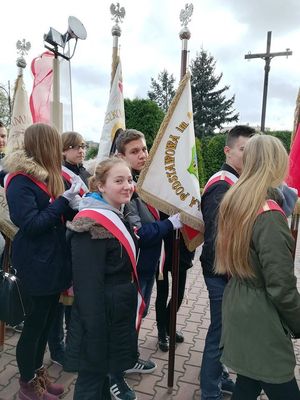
[
  {"x": 33, "y": 340},
  {"x": 250, "y": 389},
  {"x": 91, "y": 386},
  {"x": 162, "y": 307}
]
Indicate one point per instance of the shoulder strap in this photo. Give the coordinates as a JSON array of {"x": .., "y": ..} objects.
[
  {"x": 8, "y": 178},
  {"x": 109, "y": 220},
  {"x": 270, "y": 205},
  {"x": 221, "y": 176}
]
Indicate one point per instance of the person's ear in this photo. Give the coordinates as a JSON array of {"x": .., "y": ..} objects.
[
  {"x": 121, "y": 155},
  {"x": 100, "y": 188},
  {"x": 226, "y": 150}
]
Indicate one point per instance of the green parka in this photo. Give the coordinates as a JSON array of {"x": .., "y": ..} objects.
[{"x": 260, "y": 314}]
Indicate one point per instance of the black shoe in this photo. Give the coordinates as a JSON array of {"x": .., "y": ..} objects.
[
  {"x": 120, "y": 390},
  {"x": 163, "y": 342},
  {"x": 142, "y": 367},
  {"x": 179, "y": 337}
]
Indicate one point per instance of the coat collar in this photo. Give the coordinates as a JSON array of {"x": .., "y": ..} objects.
[{"x": 18, "y": 160}]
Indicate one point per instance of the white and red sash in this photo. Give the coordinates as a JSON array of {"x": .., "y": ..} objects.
[
  {"x": 222, "y": 175},
  {"x": 110, "y": 221},
  {"x": 40, "y": 184},
  {"x": 271, "y": 205},
  {"x": 68, "y": 175}
]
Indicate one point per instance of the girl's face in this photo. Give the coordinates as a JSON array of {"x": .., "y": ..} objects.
[{"x": 118, "y": 188}]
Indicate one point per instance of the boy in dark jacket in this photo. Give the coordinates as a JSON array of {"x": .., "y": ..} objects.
[{"x": 131, "y": 146}]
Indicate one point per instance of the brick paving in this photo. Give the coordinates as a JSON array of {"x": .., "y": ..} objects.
[{"x": 192, "y": 320}]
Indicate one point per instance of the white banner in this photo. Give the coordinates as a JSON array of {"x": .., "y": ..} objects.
[
  {"x": 21, "y": 116},
  {"x": 114, "y": 117},
  {"x": 170, "y": 180}
]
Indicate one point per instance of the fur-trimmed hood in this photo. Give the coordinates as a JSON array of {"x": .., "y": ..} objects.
[
  {"x": 18, "y": 160},
  {"x": 89, "y": 225}
]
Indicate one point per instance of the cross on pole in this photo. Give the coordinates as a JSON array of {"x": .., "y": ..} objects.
[{"x": 267, "y": 56}]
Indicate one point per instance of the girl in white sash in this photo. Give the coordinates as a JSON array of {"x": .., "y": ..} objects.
[{"x": 102, "y": 338}]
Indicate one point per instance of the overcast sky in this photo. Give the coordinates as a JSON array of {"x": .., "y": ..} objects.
[{"x": 150, "y": 43}]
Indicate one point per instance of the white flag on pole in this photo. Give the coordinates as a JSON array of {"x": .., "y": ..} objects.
[
  {"x": 170, "y": 180},
  {"x": 21, "y": 116},
  {"x": 114, "y": 116}
]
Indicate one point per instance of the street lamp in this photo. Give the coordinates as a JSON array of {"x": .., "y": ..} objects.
[{"x": 56, "y": 43}]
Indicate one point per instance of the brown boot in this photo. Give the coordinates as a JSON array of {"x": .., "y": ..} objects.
[
  {"x": 53, "y": 388},
  {"x": 34, "y": 390}
]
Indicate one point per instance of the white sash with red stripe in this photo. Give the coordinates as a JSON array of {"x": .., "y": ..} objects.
[
  {"x": 68, "y": 175},
  {"x": 221, "y": 176},
  {"x": 110, "y": 221},
  {"x": 271, "y": 205}
]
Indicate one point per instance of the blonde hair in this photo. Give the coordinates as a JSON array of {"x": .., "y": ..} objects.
[
  {"x": 265, "y": 166},
  {"x": 43, "y": 143},
  {"x": 102, "y": 171}
]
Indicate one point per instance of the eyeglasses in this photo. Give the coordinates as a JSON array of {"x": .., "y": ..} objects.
[{"x": 79, "y": 146}]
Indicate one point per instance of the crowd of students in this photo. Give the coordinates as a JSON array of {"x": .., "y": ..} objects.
[{"x": 93, "y": 240}]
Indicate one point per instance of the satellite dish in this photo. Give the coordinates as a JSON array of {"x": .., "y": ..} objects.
[{"x": 76, "y": 29}]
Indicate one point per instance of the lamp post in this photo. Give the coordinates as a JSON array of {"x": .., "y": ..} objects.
[{"x": 56, "y": 43}]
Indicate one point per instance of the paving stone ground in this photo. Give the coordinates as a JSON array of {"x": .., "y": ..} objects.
[{"x": 192, "y": 320}]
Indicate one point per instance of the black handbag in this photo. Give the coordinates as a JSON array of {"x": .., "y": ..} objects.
[{"x": 14, "y": 302}]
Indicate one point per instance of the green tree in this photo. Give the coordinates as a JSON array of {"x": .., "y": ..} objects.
[
  {"x": 284, "y": 136},
  {"x": 213, "y": 154},
  {"x": 211, "y": 108},
  {"x": 4, "y": 106},
  {"x": 145, "y": 116},
  {"x": 162, "y": 90},
  {"x": 91, "y": 153}
]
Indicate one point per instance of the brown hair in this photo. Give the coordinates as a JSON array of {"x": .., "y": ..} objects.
[
  {"x": 237, "y": 131},
  {"x": 126, "y": 137},
  {"x": 265, "y": 166},
  {"x": 70, "y": 139},
  {"x": 102, "y": 171},
  {"x": 43, "y": 143}
]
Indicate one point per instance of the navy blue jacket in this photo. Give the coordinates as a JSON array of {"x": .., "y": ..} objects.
[
  {"x": 150, "y": 232},
  {"x": 39, "y": 250}
]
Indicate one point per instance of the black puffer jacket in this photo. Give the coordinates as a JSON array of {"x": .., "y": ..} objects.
[{"x": 102, "y": 337}]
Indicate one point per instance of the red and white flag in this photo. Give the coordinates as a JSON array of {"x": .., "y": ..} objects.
[
  {"x": 170, "y": 179},
  {"x": 41, "y": 96},
  {"x": 114, "y": 116}
]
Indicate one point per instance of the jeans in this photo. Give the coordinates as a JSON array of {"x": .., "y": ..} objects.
[
  {"x": 249, "y": 389},
  {"x": 146, "y": 286},
  {"x": 211, "y": 368},
  {"x": 33, "y": 340}
]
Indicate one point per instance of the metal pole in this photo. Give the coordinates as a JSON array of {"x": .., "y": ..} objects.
[
  {"x": 56, "y": 106},
  {"x": 185, "y": 16},
  {"x": 266, "y": 80}
]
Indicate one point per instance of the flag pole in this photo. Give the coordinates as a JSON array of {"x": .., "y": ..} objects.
[
  {"x": 185, "y": 34},
  {"x": 118, "y": 13}
]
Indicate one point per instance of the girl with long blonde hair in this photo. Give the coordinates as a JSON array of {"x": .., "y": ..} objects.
[
  {"x": 261, "y": 304},
  {"x": 38, "y": 206}
]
